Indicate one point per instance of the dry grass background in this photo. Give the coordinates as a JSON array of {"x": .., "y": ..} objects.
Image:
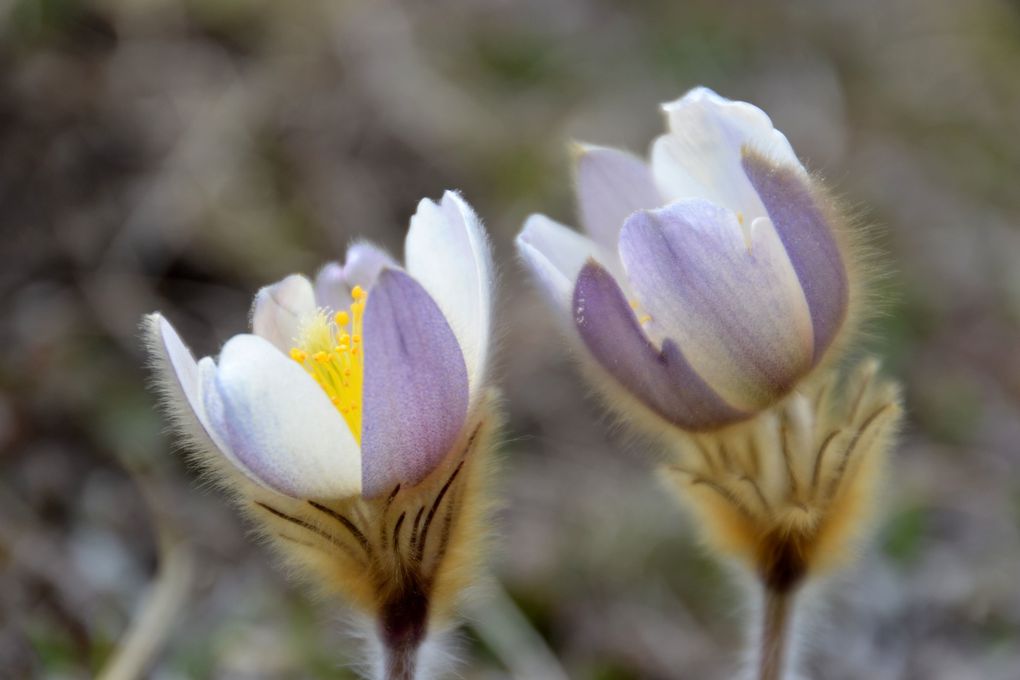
[{"x": 177, "y": 154}]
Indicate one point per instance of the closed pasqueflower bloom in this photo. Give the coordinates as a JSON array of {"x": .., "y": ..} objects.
[
  {"x": 712, "y": 279},
  {"x": 349, "y": 422}
]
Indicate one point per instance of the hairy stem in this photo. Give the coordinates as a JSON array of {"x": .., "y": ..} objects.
[
  {"x": 775, "y": 634},
  {"x": 400, "y": 663}
]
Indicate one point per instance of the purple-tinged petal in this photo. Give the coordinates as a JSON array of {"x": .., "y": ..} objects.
[
  {"x": 334, "y": 283},
  {"x": 664, "y": 381},
  {"x": 809, "y": 241},
  {"x": 331, "y": 291},
  {"x": 611, "y": 184},
  {"x": 280, "y": 308},
  {"x": 727, "y": 296},
  {"x": 415, "y": 394},
  {"x": 278, "y": 425},
  {"x": 365, "y": 261}
]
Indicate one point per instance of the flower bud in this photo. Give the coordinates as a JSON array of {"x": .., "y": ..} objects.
[{"x": 713, "y": 280}]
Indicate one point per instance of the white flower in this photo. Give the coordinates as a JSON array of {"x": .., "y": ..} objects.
[
  {"x": 358, "y": 383},
  {"x": 711, "y": 280}
]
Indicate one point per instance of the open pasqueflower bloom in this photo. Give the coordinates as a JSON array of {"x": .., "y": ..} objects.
[
  {"x": 711, "y": 280},
  {"x": 353, "y": 422}
]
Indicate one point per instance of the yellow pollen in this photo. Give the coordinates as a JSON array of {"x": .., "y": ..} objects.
[
  {"x": 644, "y": 318},
  {"x": 328, "y": 348},
  {"x": 740, "y": 217}
]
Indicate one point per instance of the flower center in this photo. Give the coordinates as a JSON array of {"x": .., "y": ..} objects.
[{"x": 330, "y": 350}]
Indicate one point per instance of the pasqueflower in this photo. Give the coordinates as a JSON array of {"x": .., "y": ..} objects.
[
  {"x": 351, "y": 422},
  {"x": 711, "y": 280}
]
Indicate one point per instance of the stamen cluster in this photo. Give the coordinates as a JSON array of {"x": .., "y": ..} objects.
[{"x": 330, "y": 350}]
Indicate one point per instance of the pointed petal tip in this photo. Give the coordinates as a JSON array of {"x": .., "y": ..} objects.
[
  {"x": 447, "y": 252},
  {"x": 578, "y": 149}
]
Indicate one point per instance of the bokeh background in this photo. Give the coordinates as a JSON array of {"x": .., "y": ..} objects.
[{"x": 178, "y": 154}]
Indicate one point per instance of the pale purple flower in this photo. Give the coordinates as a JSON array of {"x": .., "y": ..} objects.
[
  {"x": 711, "y": 279},
  {"x": 357, "y": 382}
]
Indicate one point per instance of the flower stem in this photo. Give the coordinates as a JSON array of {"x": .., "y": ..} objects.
[
  {"x": 775, "y": 633},
  {"x": 400, "y": 664}
]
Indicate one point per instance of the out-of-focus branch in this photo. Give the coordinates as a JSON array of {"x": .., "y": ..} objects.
[
  {"x": 159, "y": 608},
  {"x": 500, "y": 623}
]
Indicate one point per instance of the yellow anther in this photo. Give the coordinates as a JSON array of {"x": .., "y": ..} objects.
[
  {"x": 740, "y": 217},
  {"x": 644, "y": 318},
  {"x": 634, "y": 304},
  {"x": 334, "y": 344}
]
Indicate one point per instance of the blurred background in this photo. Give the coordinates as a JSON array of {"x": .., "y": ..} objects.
[{"x": 178, "y": 154}]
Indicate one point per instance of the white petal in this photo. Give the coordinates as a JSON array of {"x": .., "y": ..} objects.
[
  {"x": 701, "y": 155},
  {"x": 279, "y": 425},
  {"x": 280, "y": 308},
  {"x": 173, "y": 355},
  {"x": 447, "y": 252},
  {"x": 555, "y": 254}
]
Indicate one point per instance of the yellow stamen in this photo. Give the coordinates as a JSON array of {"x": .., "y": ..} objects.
[{"x": 328, "y": 348}]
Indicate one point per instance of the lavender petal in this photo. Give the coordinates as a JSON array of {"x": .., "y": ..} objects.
[
  {"x": 612, "y": 184},
  {"x": 664, "y": 381},
  {"x": 728, "y": 296},
  {"x": 415, "y": 395},
  {"x": 809, "y": 241}
]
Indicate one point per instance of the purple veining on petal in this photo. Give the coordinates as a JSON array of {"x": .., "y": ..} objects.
[
  {"x": 612, "y": 184},
  {"x": 809, "y": 241},
  {"x": 415, "y": 394},
  {"x": 727, "y": 296},
  {"x": 664, "y": 381}
]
